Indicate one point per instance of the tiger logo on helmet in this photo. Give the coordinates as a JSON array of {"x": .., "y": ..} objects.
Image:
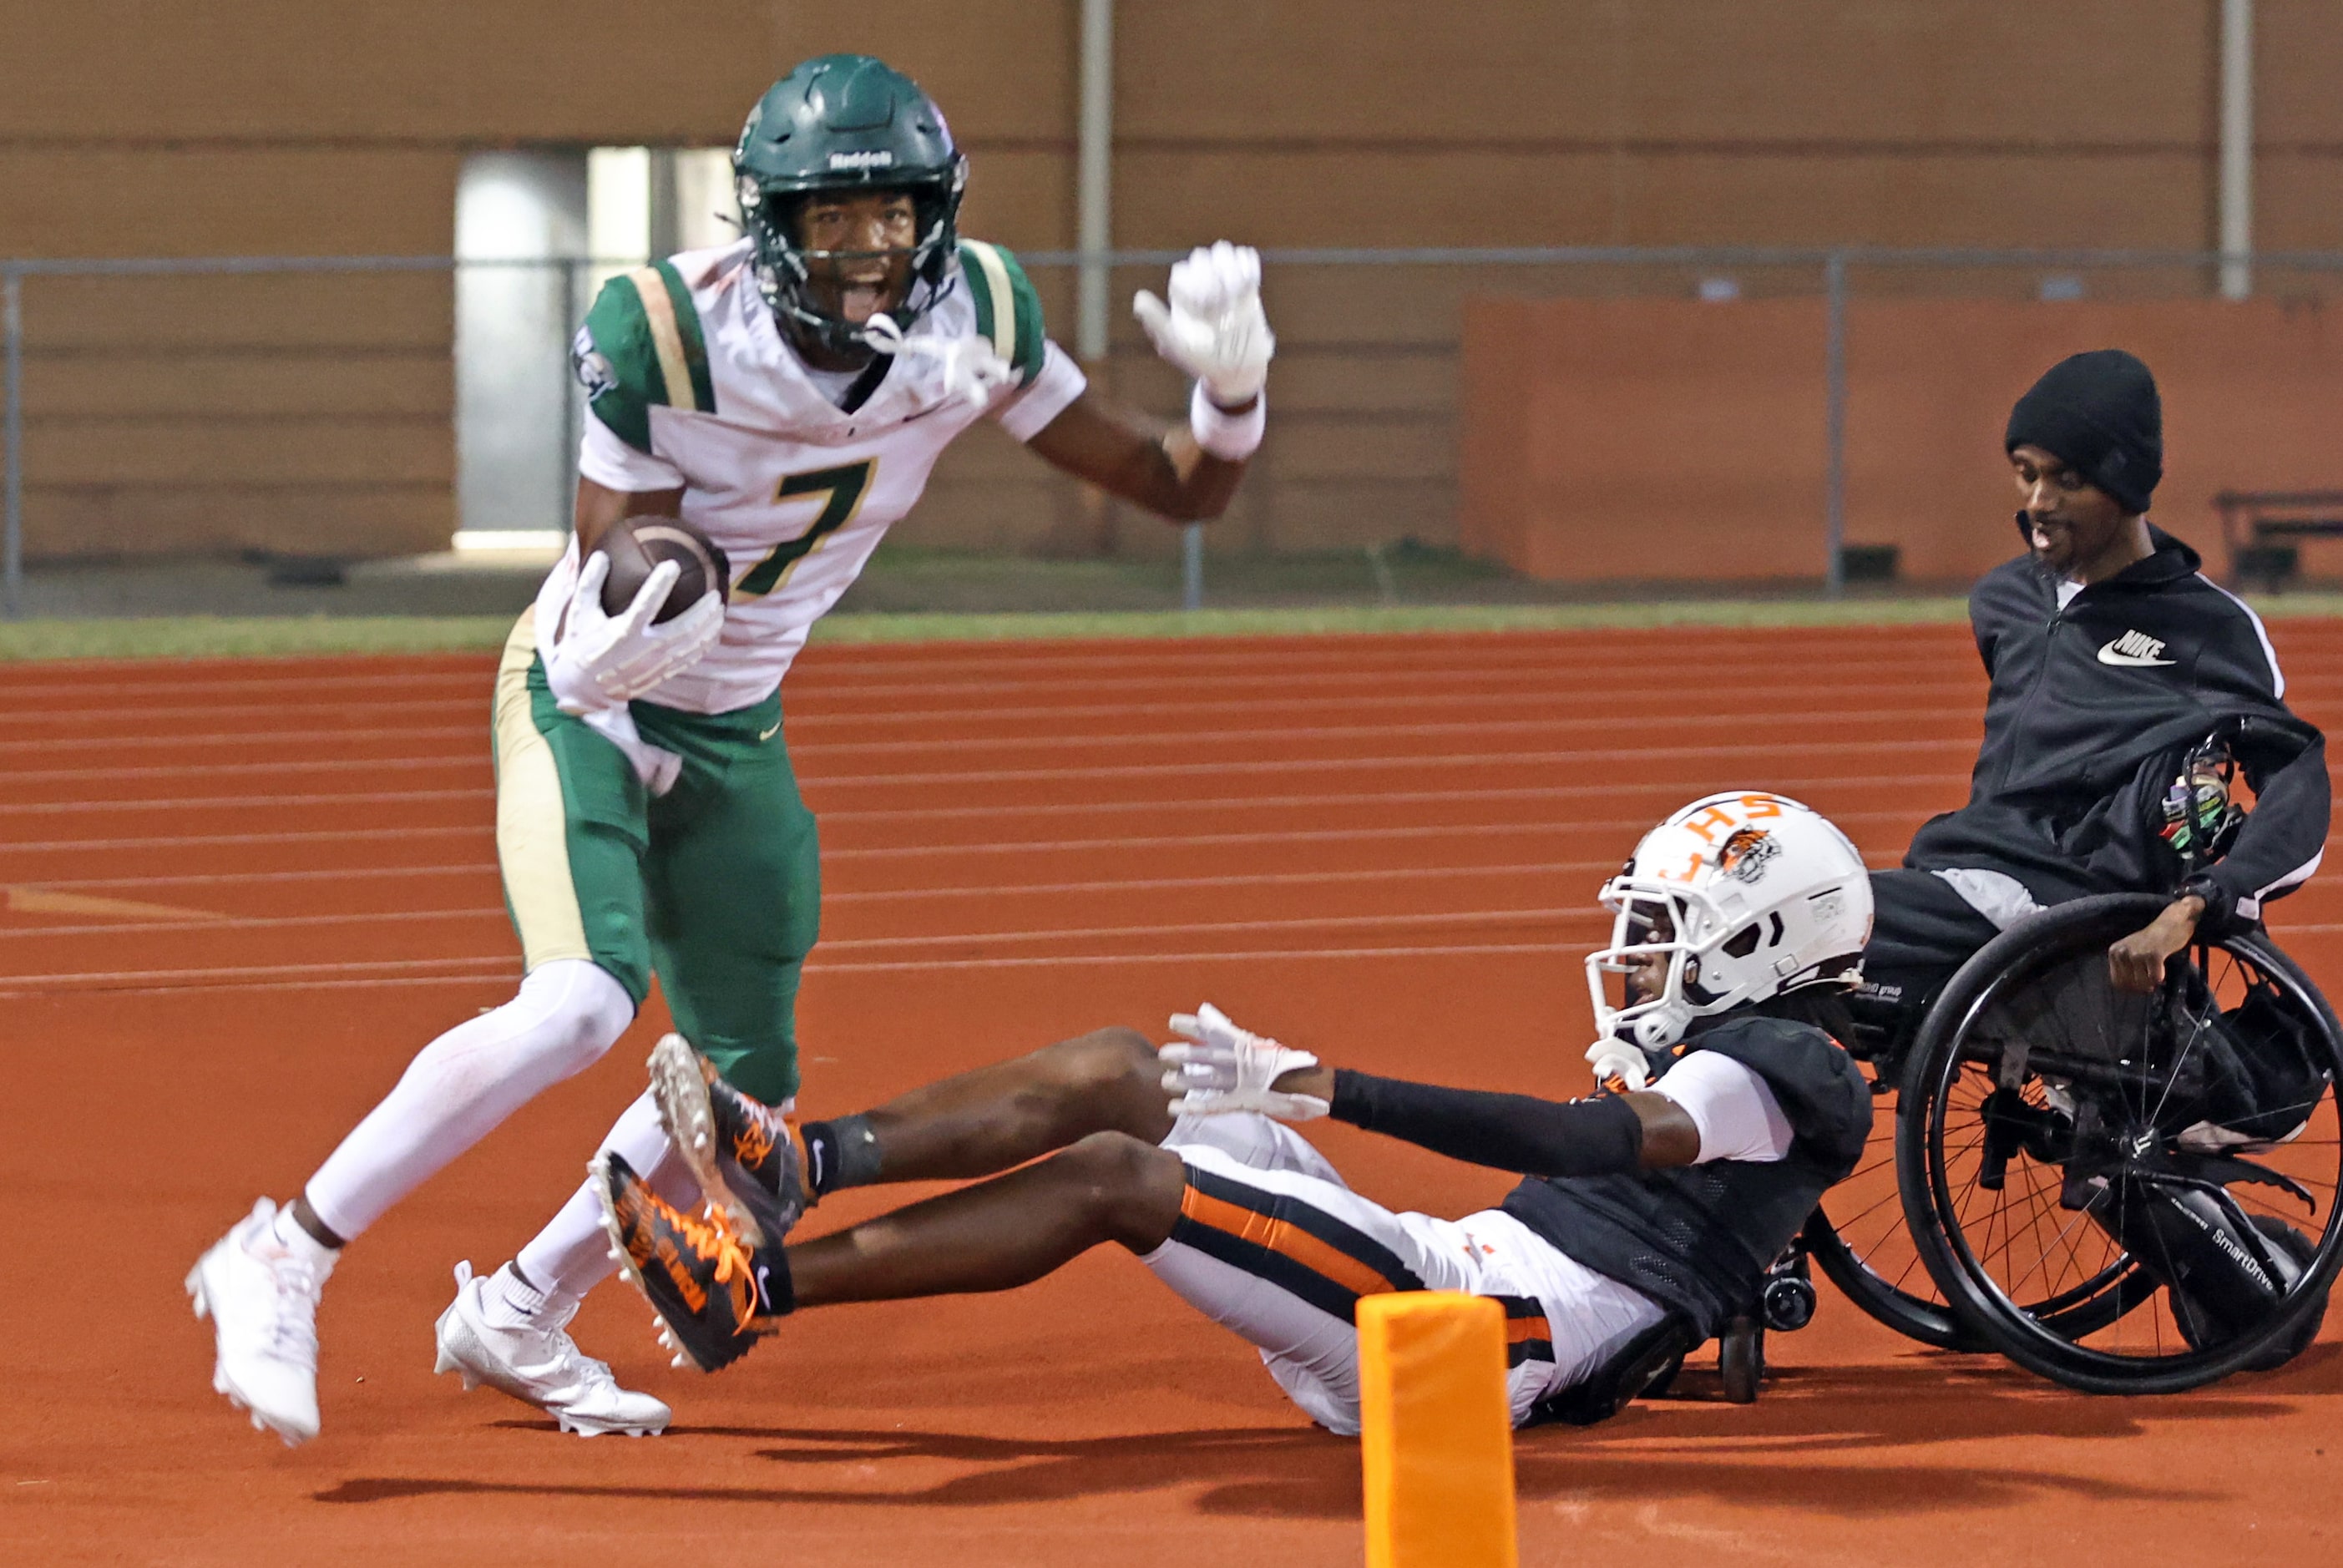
[{"x": 1743, "y": 896}]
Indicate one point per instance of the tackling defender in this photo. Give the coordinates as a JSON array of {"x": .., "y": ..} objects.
[
  {"x": 788, "y": 395},
  {"x": 1647, "y": 1216}
]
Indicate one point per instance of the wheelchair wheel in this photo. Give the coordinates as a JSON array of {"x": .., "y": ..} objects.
[
  {"x": 2087, "y": 1173},
  {"x": 1856, "y": 1236}
]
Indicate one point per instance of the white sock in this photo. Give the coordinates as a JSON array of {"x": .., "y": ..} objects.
[
  {"x": 287, "y": 1234},
  {"x": 572, "y": 1255},
  {"x": 508, "y": 1303},
  {"x": 454, "y": 1093}
]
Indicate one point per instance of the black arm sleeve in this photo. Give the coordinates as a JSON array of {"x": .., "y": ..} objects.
[{"x": 1514, "y": 1132}]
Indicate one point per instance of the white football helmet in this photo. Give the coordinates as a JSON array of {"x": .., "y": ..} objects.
[{"x": 1746, "y": 895}]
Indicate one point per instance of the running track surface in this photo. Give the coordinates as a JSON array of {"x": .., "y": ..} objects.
[{"x": 241, "y": 895}]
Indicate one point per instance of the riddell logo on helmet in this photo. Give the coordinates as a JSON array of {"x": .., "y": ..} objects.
[{"x": 878, "y": 159}]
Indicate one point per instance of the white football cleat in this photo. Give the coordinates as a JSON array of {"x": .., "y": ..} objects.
[
  {"x": 262, "y": 1299},
  {"x": 539, "y": 1365}
]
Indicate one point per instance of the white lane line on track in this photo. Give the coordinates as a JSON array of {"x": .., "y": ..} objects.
[
  {"x": 22, "y": 776},
  {"x": 818, "y": 710},
  {"x": 1632, "y": 825},
  {"x": 935, "y": 682},
  {"x": 1295, "y": 733},
  {"x": 327, "y": 977},
  {"x": 1608, "y": 700},
  {"x": 501, "y": 962},
  {"x": 1045, "y": 845},
  {"x": 314, "y": 836},
  {"x": 858, "y": 944},
  {"x": 1140, "y": 884},
  {"x": 965, "y": 665},
  {"x": 1907, "y": 781},
  {"x": 1072, "y": 961},
  {"x": 256, "y": 922},
  {"x": 1605, "y": 758},
  {"x": 302, "y": 740},
  {"x": 801, "y": 755},
  {"x": 243, "y": 802},
  {"x": 811, "y": 693},
  {"x": 1365, "y": 798},
  {"x": 962, "y": 665}
]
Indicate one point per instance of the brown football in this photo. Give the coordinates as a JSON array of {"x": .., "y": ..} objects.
[{"x": 638, "y": 545}]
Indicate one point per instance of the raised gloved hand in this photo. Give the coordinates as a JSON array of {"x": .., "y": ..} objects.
[
  {"x": 1215, "y": 1068},
  {"x": 1618, "y": 1066},
  {"x": 1215, "y": 328},
  {"x": 604, "y": 661},
  {"x": 969, "y": 367}
]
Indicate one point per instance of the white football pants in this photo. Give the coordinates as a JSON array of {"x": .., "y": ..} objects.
[{"x": 463, "y": 1084}]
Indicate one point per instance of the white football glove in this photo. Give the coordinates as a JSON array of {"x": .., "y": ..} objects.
[
  {"x": 1222, "y": 1069},
  {"x": 604, "y": 661},
  {"x": 968, "y": 365},
  {"x": 1214, "y": 328},
  {"x": 1617, "y": 1058}
]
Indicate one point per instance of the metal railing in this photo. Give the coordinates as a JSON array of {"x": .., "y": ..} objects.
[{"x": 1806, "y": 271}]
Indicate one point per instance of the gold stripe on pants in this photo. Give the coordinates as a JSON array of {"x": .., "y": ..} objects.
[{"x": 532, "y": 824}]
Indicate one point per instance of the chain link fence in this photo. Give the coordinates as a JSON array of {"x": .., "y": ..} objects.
[{"x": 203, "y": 421}]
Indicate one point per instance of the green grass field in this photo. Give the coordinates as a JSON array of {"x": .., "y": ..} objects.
[{"x": 203, "y": 637}]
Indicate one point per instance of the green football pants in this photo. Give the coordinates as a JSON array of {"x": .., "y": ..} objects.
[{"x": 715, "y": 887}]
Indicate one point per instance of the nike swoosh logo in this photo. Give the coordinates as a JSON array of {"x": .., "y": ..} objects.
[
  {"x": 768, "y": 734},
  {"x": 2108, "y": 655}
]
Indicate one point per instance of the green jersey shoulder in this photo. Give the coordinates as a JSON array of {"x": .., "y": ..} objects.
[
  {"x": 1008, "y": 311},
  {"x": 642, "y": 346}
]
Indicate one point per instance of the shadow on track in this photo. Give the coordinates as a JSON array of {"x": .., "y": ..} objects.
[{"x": 1773, "y": 1454}]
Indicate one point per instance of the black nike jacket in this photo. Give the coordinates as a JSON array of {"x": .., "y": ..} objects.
[{"x": 2092, "y": 710}]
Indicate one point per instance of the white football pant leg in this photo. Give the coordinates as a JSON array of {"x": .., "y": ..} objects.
[
  {"x": 572, "y": 1255},
  {"x": 1278, "y": 1255},
  {"x": 460, "y": 1086}
]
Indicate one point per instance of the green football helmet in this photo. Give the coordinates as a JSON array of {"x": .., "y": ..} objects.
[{"x": 846, "y": 123}]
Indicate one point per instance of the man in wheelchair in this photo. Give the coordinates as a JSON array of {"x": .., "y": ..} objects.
[
  {"x": 2128, "y": 695},
  {"x": 2074, "y": 1071}
]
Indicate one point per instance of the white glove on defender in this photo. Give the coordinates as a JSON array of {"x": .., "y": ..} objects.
[
  {"x": 1617, "y": 1058},
  {"x": 603, "y": 661},
  {"x": 1214, "y": 328},
  {"x": 1223, "y": 1069}
]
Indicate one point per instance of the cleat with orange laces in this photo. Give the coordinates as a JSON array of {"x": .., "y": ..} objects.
[
  {"x": 745, "y": 1158},
  {"x": 712, "y": 1293}
]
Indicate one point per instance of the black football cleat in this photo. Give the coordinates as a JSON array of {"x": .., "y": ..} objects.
[
  {"x": 745, "y": 1159},
  {"x": 713, "y": 1294}
]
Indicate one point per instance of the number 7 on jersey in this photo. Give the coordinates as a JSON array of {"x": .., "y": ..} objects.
[{"x": 845, "y": 488}]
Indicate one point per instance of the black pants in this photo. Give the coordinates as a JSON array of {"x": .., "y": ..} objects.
[{"x": 1921, "y": 931}]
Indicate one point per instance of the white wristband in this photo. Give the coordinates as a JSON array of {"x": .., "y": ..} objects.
[{"x": 1230, "y": 438}]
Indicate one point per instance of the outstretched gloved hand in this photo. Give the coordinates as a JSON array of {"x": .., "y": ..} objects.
[
  {"x": 1618, "y": 1066},
  {"x": 1215, "y": 1068},
  {"x": 604, "y": 661},
  {"x": 1214, "y": 328}
]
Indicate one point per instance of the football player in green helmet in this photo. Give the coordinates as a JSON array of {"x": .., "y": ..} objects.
[
  {"x": 787, "y": 394},
  {"x": 836, "y": 137}
]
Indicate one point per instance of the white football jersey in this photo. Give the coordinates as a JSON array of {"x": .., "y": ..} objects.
[{"x": 691, "y": 384}]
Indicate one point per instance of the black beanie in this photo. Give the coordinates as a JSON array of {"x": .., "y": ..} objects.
[{"x": 2099, "y": 413}]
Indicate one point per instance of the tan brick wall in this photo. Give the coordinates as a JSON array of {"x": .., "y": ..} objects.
[
  {"x": 1622, "y": 440},
  {"x": 208, "y": 415}
]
